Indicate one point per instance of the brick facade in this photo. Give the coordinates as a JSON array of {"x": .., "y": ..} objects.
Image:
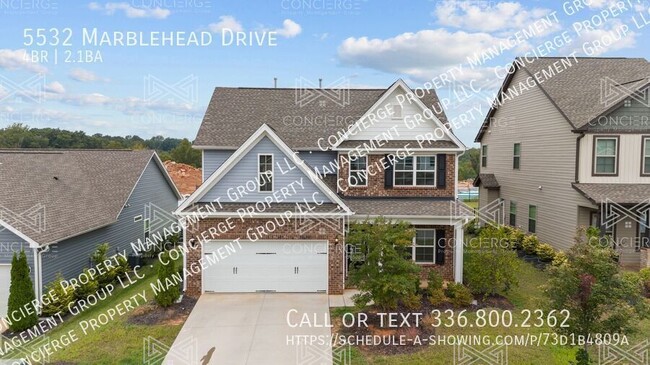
[
  {"x": 286, "y": 232},
  {"x": 446, "y": 270},
  {"x": 376, "y": 186}
]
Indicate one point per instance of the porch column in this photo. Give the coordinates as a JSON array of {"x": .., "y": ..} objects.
[{"x": 459, "y": 243}]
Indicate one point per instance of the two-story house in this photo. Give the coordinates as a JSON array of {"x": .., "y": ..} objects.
[
  {"x": 567, "y": 144},
  {"x": 287, "y": 170}
]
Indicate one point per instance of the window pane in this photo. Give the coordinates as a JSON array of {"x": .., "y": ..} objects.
[
  {"x": 647, "y": 147},
  {"x": 515, "y": 162},
  {"x": 532, "y": 212},
  {"x": 404, "y": 164},
  {"x": 484, "y": 150},
  {"x": 517, "y": 149},
  {"x": 358, "y": 178},
  {"x": 606, "y": 165},
  {"x": 404, "y": 178},
  {"x": 647, "y": 165},
  {"x": 266, "y": 181},
  {"x": 424, "y": 254},
  {"x": 425, "y": 237},
  {"x": 425, "y": 178},
  {"x": 606, "y": 147},
  {"x": 358, "y": 163},
  {"x": 513, "y": 208},
  {"x": 426, "y": 163}
]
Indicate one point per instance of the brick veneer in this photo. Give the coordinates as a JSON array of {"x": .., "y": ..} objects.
[
  {"x": 285, "y": 232},
  {"x": 376, "y": 185},
  {"x": 447, "y": 269}
]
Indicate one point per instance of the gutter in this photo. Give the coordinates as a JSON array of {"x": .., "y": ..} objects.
[
  {"x": 577, "y": 164},
  {"x": 456, "y": 173}
]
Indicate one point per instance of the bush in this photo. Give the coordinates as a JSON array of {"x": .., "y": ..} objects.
[
  {"x": 434, "y": 280},
  {"x": 21, "y": 294},
  {"x": 516, "y": 238},
  {"x": 437, "y": 296},
  {"x": 489, "y": 271},
  {"x": 529, "y": 244},
  {"x": 459, "y": 295},
  {"x": 98, "y": 258},
  {"x": 412, "y": 301},
  {"x": 58, "y": 297},
  {"x": 559, "y": 259},
  {"x": 87, "y": 286},
  {"x": 122, "y": 266},
  {"x": 166, "y": 273},
  {"x": 644, "y": 274},
  {"x": 545, "y": 252}
]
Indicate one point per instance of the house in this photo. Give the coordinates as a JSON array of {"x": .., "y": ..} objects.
[
  {"x": 286, "y": 170},
  {"x": 572, "y": 149},
  {"x": 59, "y": 205}
]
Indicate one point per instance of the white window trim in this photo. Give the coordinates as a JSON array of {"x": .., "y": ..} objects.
[
  {"x": 259, "y": 185},
  {"x": 435, "y": 246},
  {"x": 645, "y": 143},
  {"x": 350, "y": 172},
  {"x": 415, "y": 170},
  {"x": 615, "y": 156}
]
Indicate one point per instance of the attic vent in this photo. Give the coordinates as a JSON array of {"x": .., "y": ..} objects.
[
  {"x": 627, "y": 103},
  {"x": 397, "y": 111},
  {"x": 322, "y": 103}
]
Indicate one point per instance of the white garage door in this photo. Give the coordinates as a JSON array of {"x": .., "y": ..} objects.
[
  {"x": 5, "y": 280},
  {"x": 282, "y": 266}
]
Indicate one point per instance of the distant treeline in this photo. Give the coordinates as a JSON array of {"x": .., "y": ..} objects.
[{"x": 22, "y": 136}]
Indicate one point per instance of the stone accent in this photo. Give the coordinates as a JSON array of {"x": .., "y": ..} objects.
[
  {"x": 286, "y": 230},
  {"x": 376, "y": 187}
]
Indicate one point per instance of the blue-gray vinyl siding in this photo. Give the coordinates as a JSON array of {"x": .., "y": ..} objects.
[
  {"x": 245, "y": 173},
  {"x": 71, "y": 256},
  {"x": 10, "y": 244},
  {"x": 320, "y": 161},
  {"x": 212, "y": 159},
  {"x": 635, "y": 117}
]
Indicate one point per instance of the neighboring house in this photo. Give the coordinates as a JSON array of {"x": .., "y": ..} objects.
[
  {"x": 573, "y": 150},
  {"x": 284, "y": 176},
  {"x": 59, "y": 205}
]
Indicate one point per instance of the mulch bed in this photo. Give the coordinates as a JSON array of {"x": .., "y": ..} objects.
[
  {"x": 153, "y": 314},
  {"x": 424, "y": 330}
]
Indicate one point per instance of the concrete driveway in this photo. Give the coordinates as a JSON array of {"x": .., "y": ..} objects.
[{"x": 252, "y": 328}]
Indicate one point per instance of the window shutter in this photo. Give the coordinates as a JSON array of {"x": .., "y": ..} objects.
[
  {"x": 388, "y": 173},
  {"x": 440, "y": 246},
  {"x": 441, "y": 166}
]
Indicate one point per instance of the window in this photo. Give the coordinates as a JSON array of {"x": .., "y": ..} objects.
[
  {"x": 358, "y": 173},
  {"x": 424, "y": 248},
  {"x": 605, "y": 151},
  {"x": 397, "y": 111},
  {"x": 532, "y": 218},
  {"x": 516, "y": 156},
  {"x": 484, "y": 156},
  {"x": 513, "y": 213},
  {"x": 645, "y": 159},
  {"x": 147, "y": 228},
  {"x": 265, "y": 172},
  {"x": 415, "y": 171}
]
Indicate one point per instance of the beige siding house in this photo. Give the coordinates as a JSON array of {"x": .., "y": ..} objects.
[{"x": 558, "y": 153}]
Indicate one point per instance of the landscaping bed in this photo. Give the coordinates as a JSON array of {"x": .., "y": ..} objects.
[{"x": 152, "y": 314}]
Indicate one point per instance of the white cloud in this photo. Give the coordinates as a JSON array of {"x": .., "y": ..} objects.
[
  {"x": 82, "y": 75},
  {"x": 420, "y": 55},
  {"x": 289, "y": 29},
  {"x": 18, "y": 60},
  {"x": 605, "y": 39},
  {"x": 487, "y": 16},
  {"x": 55, "y": 87},
  {"x": 226, "y": 22},
  {"x": 130, "y": 11}
]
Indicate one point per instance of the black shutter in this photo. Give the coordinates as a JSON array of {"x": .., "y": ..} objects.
[
  {"x": 441, "y": 165},
  {"x": 440, "y": 246},
  {"x": 388, "y": 171}
]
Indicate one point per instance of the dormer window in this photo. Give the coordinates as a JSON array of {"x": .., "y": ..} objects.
[
  {"x": 265, "y": 172},
  {"x": 397, "y": 111}
]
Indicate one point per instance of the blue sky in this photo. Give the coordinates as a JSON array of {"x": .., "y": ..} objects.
[{"x": 143, "y": 90}]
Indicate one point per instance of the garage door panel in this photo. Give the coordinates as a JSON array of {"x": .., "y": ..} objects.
[{"x": 283, "y": 266}]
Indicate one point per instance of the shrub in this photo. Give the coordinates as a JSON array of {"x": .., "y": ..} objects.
[
  {"x": 21, "y": 294},
  {"x": 437, "y": 296},
  {"x": 644, "y": 274},
  {"x": 87, "y": 286},
  {"x": 516, "y": 238},
  {"x": 489, "y": 271},
  {"x": 434, "y": 280},
  {"x": 108, "y": 274},
  {"x": 122, "y": 266},
  {"x": 166, "y": 272},
  {"x": 559, "y": 259},
  {"x": 459, "y": 295},
  {"x": 545, "y": 252},
  {"x": 529, "y": 244},
  {"x": 412, "y": 301},
  {"x": 58, "y": 297}
]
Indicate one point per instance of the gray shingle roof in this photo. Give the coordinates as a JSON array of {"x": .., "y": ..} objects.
[
  {"x": 576, "y": 90},
  {"x": 489, "y": 181},
  {"x": 617, "y": 193},
  {"x": 413, "y": 145},
  {"x": 76, "y": 190},
  {"x": 234, "y": 114},
  {"x": 271, "y": 208},
  {"x": 415, "y": 207}
]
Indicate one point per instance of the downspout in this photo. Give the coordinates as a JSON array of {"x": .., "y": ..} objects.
[
  {"x": 577, "y": 164},
  {"x": 456, "y": 173},
  {"x": 39, "y": 271}
]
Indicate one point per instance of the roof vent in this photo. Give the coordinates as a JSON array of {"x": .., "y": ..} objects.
[
  {"x": 320, "y": 83},
  {"x": 275, "y": 82},
  {"x": 55, "y": 177}
]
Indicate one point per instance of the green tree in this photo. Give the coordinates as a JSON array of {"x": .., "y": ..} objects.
[
  {"x": 166, "y": 273},
  {"x": 468, "y": 164},
  {"x": 184, "y": 153},
  {"x": 21, "y": 295},
  {"x": 598, "y": 297},
  {"x": 387, "y": 275}
]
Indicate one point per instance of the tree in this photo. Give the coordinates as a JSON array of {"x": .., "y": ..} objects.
[
  {"x": 468, "y": 164},
  {"x": 598, "y": 297},
  {"x": 386, "y": 276},
  {"x": 184, "y": 153},
  {"x": 166, "y": 272},
  {"x": 21, "y": 295}
]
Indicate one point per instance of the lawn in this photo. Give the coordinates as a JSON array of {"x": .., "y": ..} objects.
[
  {"x": 117, "y": 342},
  {"x": 528, "y": 295}
]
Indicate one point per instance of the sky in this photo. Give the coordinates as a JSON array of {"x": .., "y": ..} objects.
[{"x": 53, "y": 73}]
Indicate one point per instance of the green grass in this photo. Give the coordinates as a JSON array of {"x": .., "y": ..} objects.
[
  {"x": 471, "y": 203},
  {"x": 117, "y": 342}
]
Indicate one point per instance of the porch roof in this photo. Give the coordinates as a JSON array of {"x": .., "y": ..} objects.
[
  {"x": 405, "y": 207},
  {"x": 614, "y": 193}
]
